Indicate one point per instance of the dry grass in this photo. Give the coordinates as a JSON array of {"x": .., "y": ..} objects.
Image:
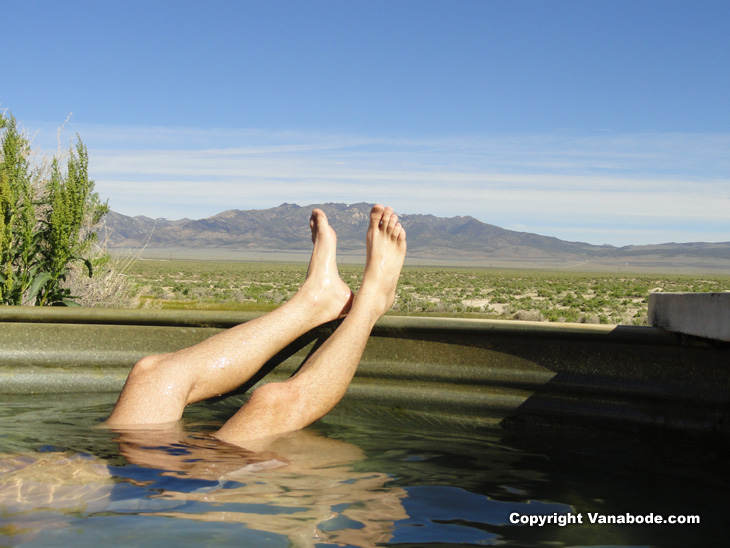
[{"x": 109, "y": 287}]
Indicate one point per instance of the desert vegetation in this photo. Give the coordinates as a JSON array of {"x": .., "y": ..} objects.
[
  {"x": 462, "y": 292},
  {"x": 48, "y": 219}
]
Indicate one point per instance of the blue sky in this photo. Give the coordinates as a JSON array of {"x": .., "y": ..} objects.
[{"x": 598, "y": 121}]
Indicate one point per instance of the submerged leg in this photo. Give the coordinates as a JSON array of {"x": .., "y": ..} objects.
[
  {"x": 159, "y": 387},
  {"x": 321, "y": 382}
]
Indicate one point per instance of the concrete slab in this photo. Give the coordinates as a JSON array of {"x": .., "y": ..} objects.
[{"x": 704, "y": 315}]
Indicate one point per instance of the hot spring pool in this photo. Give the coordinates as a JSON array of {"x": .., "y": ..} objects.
[{"x": 348, "y": 481}]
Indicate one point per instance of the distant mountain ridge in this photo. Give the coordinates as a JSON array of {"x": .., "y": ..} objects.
[{"x": 286, "y": 228}]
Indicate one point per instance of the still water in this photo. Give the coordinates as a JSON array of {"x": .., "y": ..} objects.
[{"x": 353, "y": 479}]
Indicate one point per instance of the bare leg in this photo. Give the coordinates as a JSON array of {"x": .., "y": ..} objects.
[
  {"x": 319, "y": 385},
  {"x": 159, "y": 387}
]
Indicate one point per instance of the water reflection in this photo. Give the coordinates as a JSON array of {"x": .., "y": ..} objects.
[
  {"x": 65, "y": 483},
  {"x": 303, "y": 487},
  {"x": 38, "y": 492}
]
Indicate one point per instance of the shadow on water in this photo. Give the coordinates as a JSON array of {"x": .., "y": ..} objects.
[{"x": 620, "y": 422}]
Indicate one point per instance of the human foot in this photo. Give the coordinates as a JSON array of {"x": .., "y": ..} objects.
[
  {"x": 386, "y": 251},
  {"x": 323, "y": 288}
]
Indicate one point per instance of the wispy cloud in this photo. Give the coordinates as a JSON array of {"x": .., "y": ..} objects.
[{"x": 601, "y": 187}]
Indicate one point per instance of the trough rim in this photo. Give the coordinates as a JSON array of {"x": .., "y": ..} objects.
[{"x": 405, "y": 325}]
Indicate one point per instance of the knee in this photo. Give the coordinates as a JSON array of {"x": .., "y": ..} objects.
[
  {"x": 145, "y": 368},
  {"x": 273, "y": 396}
]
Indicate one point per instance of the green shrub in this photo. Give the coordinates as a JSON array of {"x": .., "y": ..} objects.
[{"x": 46, "y": 221}]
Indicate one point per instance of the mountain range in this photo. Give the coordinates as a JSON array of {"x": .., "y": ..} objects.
[{"x": 286, "y": 228}]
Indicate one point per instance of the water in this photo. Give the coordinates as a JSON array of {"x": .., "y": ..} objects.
[{"x": 351, "y": 480}]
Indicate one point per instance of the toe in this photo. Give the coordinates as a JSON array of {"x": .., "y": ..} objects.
[
  {"x": 376, "y": 215},
  {"x": 396, "y": 231},
  {"x": 385, "y": 219},
  {"x": 318, "y": 216},
  {"x": 392, "y": 223}
]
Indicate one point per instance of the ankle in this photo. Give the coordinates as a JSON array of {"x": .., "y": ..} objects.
[
  {"x": 321, "y": 305},
  {"x": 369, "y": 305}
]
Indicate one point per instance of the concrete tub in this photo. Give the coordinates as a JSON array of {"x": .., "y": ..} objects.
[{"x": 476, "y": 372}]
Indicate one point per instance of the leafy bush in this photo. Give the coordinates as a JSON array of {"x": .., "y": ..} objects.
[{"x": 47, "y": 220}]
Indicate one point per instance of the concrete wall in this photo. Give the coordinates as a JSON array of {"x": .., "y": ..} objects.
[{"x": 704, "y": 315}]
